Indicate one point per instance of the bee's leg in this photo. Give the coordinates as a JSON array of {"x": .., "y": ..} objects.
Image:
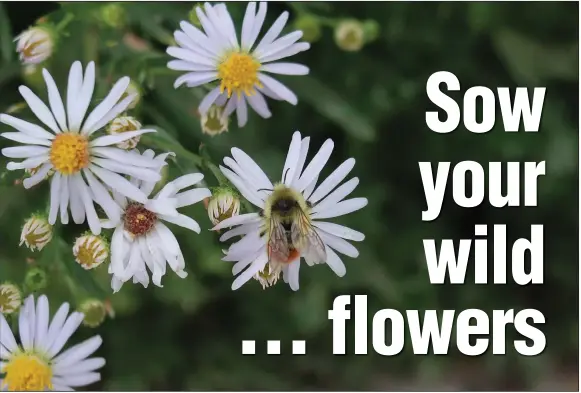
[{"x": 309, "y": 204}]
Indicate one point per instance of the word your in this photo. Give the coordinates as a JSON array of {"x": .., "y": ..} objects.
[
  {"x": 456, "y": 264},
  {"x": 435, "y": 187},
  {"x": 439, "y": 332},
  {"x": 273, "y": 347},
  {"x": 511, "y": 113}
]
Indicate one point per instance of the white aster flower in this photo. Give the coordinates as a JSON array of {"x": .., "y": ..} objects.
[
  {"x": 240, "y": 68},
  {"x": 35, "y": 364},
  {"x": 83, "y": 164},
  {"x": 142, "y": 241},
  {"x": 297, "y": 190},
  {"x": 36, "y": 233},
  {"x": 35, "y": 45}
]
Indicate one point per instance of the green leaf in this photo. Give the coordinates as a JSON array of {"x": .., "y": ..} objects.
[
  {"x": 6, "y": 45},
  {"x": 334, "y": 107}
]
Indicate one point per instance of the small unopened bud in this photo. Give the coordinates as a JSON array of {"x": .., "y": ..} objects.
[
  {"x": 113, "y": 15},
  {"x": 10, "y": 298},
  {"x": 193, "y": 16},
  {"x": 214, "y": 122},
  {"x": 35, "y": 279},
  {"x": 125, "y": 124},
  {"x": 370, "y": 30},
  {"x": 35, "y": 45},
  {"x": 36, "y": 233},
  {"x": 223, "y": 204},
  {"x": 133, "y": 88},
  {"x": 268, "y": 276},
  {"x": 94, "y": 311},
  {"x": 90, "y": 251},
  {"x": 349, "y": 35},
  {"x": 310, "y": 26}
]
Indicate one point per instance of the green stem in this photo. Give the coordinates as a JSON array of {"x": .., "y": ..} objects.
[{"x": 65, "y": 21}]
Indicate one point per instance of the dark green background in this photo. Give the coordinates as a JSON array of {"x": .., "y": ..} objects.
[{"x": 187, "y": 335}]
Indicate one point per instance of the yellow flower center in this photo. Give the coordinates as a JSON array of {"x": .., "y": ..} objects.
[
  {"x": 239, "y": 73},
  {"x": 27, "y": 373},
  {"x": 69, "y": 153}
]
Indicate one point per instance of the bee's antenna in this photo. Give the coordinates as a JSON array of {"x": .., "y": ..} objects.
[
  {"x": 285, "y": 173},
  {"x": 264, "y": 189}
]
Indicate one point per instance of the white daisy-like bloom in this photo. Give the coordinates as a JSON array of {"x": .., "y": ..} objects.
[
  {"x": 141, "y": 240},
  {"x": 239, "y": 67},
  {"x": 299, "y": 196},
  {"x": 37, "y": 364},
  {"x": 84, "y": 165}
]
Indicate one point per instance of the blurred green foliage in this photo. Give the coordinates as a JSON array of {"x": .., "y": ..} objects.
[{"x": 188, "y": 334}]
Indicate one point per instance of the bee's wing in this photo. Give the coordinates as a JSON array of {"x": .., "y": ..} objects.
[
  {"x": 278, "y": 247},
  {"x": 305, "y": 238}
]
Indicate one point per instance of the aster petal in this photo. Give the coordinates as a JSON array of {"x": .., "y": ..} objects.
[
  {"x": 208, "y": 100},
  {"x": 287, "y": 52},
  {"x": 81, "y": 103},
  {"x": 281, "y": 90},
  {"x": 251, "y": 168},
  {"x": 87, "y": 199},
  {"x": 251, "y": 195},
  {"x": 247, "y": 25},
  {"x": 79, "y": 380},
  {"x": 39, "y": 176},
  {"x": 190, "y": 197},
  {"x": 170, "y": 248},
  {"x": 41, "y": 327},
  {"x": 78, "y": 352},
  {"x": 254, "y": 268},
  {"x": 24, "y": 151},
  {"x": 21, "y": 137},
  {"x": 39, "y": 109},
  {"x": 247, "y": 260},
  {"x": 278, "y": 45},
  {"x": 113, "y": 113},
  {"x": 272, "y": 33},
  {"x": 339, "y": 230},
  {"x": 333, "y": 180},
  {"x": 81, "y": 367},
  {"x": 204, "y": 43},
  {"x": 108, "y": 140},
  {"x": 293, "y": 275},
  {"x": 285, "y": 68},
  {"x": 26, "y": 326},
  {"x": 102, "y": 197},
  {"x": 105, "y": 106},
  {"x": 55, "y": 101},
  {"x": 336, "y": 196},
  {"x": 74, "y": 86},
  {"x": 29, "y": 163},
  {"x": 257, "y": 23},
  {"x": 126, "y": 157},
  {"x": 193, "y": 79},
  {"x": 237, "y": 220},
  {"x": 76, "y": 203},
  {"x": 258, "y": 103},
  {"x": 119, "y": 184},
  {"x": 292, "y": 159},
  {"x": 241, "y": 111},
  {"x": 188, "y": 55},
  {"x": 341, "y": 208},
  {"x": 240, "y": 231},
  {"x": 55, "y": 192},
  {"x": 25, "y": 127},
  {"x": 6, "y": 337},
  {"x": 183, "y": 65},
  {"x": 316, "y": 165},
  {"x": 55, "y": 327},
  {"x": 182, "y": 221},
  {"x": 335, "y": 262},
  {"x": 302, "y": 159},
  {"x": 340, "y": 245},
  {"x": 64, "y": 200},
  {"x": 70, "y": 326}
]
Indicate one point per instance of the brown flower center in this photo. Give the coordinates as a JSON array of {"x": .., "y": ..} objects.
[{"x": 139, "y": 220}]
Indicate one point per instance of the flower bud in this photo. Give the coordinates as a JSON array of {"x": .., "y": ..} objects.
[
  {"x": 214, "y": 122},
  {"x": 90, "y": 251},
  {"x": 35, "y": 279},
  {"x": 10, "y": 298},
  {"x": 268, "y": 276},
  {"x": 125, "y": 124},
  {"x": 133, "y": 88},
  {"x": 36, "y": 233},
  {"x": 35, "y": 45},
  {"x": 310, "y": 26},
  {"x": 370, "y": 30},
  {"x": 94, "y": 311},
  {"x": 223, "y": 204},
  {"x": 113, "y": 15},
  {"x": 349, "y": 35}
]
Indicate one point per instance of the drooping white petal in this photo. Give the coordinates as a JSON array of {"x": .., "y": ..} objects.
[
  {"x": 258, "y": 103},
  {"x": 39, "y": 176},
  {"x": 241, "y": 110}
]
